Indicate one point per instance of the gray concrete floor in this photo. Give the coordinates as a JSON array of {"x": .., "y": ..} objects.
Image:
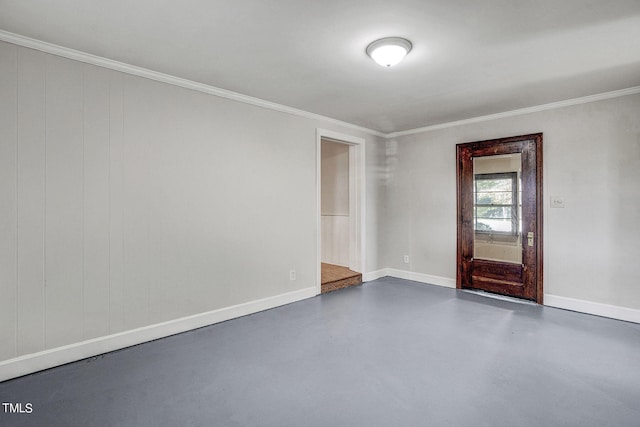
[{"x": 388, "y": 353}]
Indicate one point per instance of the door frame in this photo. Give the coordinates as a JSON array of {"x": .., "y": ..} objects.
[
  {"x": 465, "y": 232},
  {"x": 357, "y": 211}
]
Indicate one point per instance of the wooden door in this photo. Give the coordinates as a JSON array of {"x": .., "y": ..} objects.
[{"x": 500, "y": 216}]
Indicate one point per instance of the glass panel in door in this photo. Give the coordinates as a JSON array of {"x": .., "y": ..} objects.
[{"x": 497, "y": 208}]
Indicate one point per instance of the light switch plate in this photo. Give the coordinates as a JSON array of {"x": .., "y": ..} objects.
[{"x": 557, "y": 202}]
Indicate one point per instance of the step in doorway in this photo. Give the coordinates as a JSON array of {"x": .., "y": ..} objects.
[{"x": 334, "y": 277}]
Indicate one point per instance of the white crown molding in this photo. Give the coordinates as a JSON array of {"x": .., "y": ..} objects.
[
  {"x": 544, "y": 107},
  {"x": 172, "y": 80},
  {"x": 235, "y": 96}
]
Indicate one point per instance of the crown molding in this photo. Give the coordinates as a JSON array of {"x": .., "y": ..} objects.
[
  {"x": 169, "y": 79},
  {"x": 544, "y": 107},
  {"x": 235, "y": 96}
]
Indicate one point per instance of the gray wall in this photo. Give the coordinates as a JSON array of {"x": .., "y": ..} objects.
[
  {"x": 127, "y": 202},
  {"x": 591, "y": 158}
]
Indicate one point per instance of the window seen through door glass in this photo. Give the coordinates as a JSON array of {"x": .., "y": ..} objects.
[{"x": 496, "y": 203}]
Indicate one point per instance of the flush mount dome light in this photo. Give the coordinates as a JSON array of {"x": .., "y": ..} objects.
[{"x": 389, "y": 51}]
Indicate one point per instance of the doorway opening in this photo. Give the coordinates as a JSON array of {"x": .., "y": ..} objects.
[
  {"x": 500, "y": 209},
  {"x": 340, "y": 186}
]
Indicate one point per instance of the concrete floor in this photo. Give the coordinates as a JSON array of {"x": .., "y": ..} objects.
[{"x": 388, "y": 353}]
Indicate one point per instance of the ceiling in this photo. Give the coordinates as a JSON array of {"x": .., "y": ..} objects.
[{"x": 469, "y": 58}]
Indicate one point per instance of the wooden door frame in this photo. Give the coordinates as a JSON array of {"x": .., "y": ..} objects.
[{"x": 496, "y": 147}]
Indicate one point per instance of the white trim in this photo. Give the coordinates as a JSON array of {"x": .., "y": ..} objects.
[
  {"x": 357, "y": 200},
  {"x": 410, "y": 275},
  {"x": 421, "y": 277},
  {"x": 581, "y": 306},
  {"x": 354, "y": 232},
  {"x": 339, "y": 136},
  {"x": 235, "y": 96},
  {"x": 318, "y": 285},
  {"x": 373, "y": 275},
  {"x": 598, "y": 309},
  {"x": 553, "y": 105},
  {"x": 169, "y": 79},
  {"x": 212, "y": 90},
  {"x": 30, "y": 363}
]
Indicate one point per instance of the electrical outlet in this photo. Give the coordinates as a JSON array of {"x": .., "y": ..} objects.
[
  {"x": 406, "y": 259},
  {"x": 557, "y": 202},
  {"x": 292, "y": 275}
]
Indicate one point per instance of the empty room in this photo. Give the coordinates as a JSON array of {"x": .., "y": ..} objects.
[{"x": 332, "y": 213}]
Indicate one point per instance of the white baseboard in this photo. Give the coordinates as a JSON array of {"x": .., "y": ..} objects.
[
  {"x": 373, "y": 275},
  {"x": 588, "y": 307},
  {"x": 604, "y": 310},
  {"x": 410, "y": 275},
  {"x": 34, "y": 362},
  {"x": 31, "y": 363},
  {"x": 421, "y": 277}
]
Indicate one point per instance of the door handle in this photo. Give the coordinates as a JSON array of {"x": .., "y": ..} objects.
[{"x": 530, "y": 238}]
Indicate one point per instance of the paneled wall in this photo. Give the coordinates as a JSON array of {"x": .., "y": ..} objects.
[
  {"x": 334, "y": 205},
  {"x": 127, "y": 202},
  {"x": 8, "y": 201},
  {"x": 335, "y": 239},
  {"x": 63, "y": 190}
]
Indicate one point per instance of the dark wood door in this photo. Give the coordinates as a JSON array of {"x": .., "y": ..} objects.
[{"x": 491, "y": 221}]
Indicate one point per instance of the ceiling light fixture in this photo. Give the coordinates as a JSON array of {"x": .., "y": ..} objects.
[{"x": 389, "y": 51}]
